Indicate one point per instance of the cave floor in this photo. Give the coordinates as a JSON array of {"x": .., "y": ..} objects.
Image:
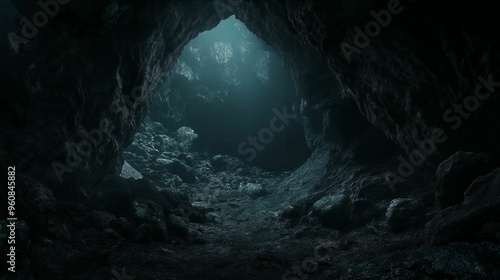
[
  {"x": 245, "y": 235},
  {"x": 247, "y": 239}
]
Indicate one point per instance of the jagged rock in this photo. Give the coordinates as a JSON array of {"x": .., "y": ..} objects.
[
  {"x": 177, "y": 226},
  {"x": 139, "y": 151},
  {"x": 175, "y": 198},
  {"x": 464, "y": 222},
  {"x": 186, "y": 158},
  {"x": 292, "y": 212},
  {"x": 178, "y": 168},
  {"x": 148, "y": 212},
  {"x": 404, "y": 213},
  {"x": 364, "y": 110},
  {"x": 166, "y": 142},
  {"x": 455, "y": 174},
  {"x": 151, "y": 174},
  {"x": 129, "y": 172},
  {"x": 186, "y": 137},
  {"x": 254, "y": 190},
  {"x": 35, "y": 203},
  {"x": 168, "y": 180},
  {"x": 333, "y": 210},
  {"x": 154, "y": 152},
  {"x": 116, "y": 194},
  {"x": 224, "y": 162}
]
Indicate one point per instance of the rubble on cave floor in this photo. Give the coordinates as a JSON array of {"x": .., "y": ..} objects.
[
  {"x": 250, "y": 230},
  {"x": 175, "y": 213}
]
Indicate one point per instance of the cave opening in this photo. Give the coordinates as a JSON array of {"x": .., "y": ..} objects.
[
  {"x": 86, "y": 100},
  {"x": 238, "y": 96}
]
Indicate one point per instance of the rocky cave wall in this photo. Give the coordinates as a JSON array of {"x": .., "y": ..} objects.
[
  {"x": 92, "y": 69},
  {"x": 84, "y": 69},
  {"x": 76, "y": 93}
]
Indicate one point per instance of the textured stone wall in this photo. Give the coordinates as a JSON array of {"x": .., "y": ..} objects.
[{"x": 91, "y": 67}]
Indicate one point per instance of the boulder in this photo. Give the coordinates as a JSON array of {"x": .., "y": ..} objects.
[
  {"x": 148, "y": 212},
  {"x": 138, "y": 151},
  {"x": 404, "y": 213},
  {"x": 186, "y": 137},
  {"x": 455, "y": 174},
  {"x": 177, "y": 226},
  {"x": 333, "y": 210},
  {"x": 224, "y": 163},
  {"x": 129, "y": 172},
  {"x": 116, "y": 194},
  {"x": 476, "y": 215},
  {"x": 176, "y": 167}
]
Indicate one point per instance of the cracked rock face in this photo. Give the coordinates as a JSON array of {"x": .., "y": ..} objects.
[{"x": 397, "y": 101}]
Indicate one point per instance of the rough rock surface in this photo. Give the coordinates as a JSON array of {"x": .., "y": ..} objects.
[
  {"x": 405, "y": 212},
  {"x": 455, "y": 174},
  {"x": 333, "y": 210},
  {"x": 475, "y": 219},
  {"x": 74, "y": 103}
]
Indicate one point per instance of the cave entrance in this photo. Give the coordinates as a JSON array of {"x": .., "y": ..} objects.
[{"x": 238, "y": 96}]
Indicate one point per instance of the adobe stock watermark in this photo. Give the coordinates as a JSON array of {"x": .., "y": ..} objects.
[
  {"x": 471, "y": 103},
  {"x": 222, "y": 7},
  {"x": 30, "y": 28},
  {"x": 372, "y": 29},
  {"x": 453, "y": 116},
  {"x": 265, "y": 136},
  {"x": 416, "y": 158},
  {"x": 77, "y": 152}
]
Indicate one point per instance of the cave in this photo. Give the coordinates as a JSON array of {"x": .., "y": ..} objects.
[
  {"x": 234, "y": 139},
  {"x": 238, "y": 97}
]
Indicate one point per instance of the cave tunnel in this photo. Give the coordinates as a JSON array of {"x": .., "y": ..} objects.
[
  {"x": 235, "y": 139},
  {"x": 238, "y": 96}
]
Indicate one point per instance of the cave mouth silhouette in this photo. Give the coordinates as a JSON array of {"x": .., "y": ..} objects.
[{"x": 238, "y": 95}]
